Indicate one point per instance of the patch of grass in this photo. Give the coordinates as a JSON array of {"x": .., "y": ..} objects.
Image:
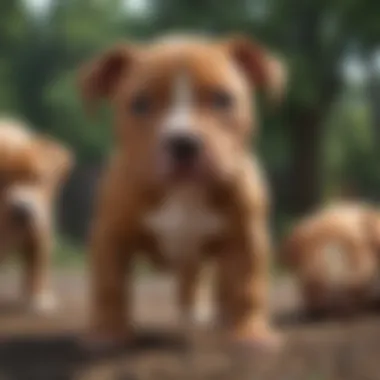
[{"x": 68, "y": 254}]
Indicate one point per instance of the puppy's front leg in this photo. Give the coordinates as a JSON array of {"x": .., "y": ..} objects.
[
  {"x": 36, "y": 257},
  {"x": 243, "y": 285},
  {"x": 189, "y": 276},
  {"x": 110, "y": 270}
]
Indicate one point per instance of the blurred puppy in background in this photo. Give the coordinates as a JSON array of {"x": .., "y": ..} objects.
[
  {"x": 334, "y": 255},
  {"x": 32, "y": 170},
  {"x": 181, "y": 184}
]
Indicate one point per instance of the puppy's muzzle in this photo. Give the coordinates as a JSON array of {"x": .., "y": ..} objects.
[{"x": 183, "y": 148}]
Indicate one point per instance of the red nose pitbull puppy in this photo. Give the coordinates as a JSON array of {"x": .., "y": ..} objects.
[
  {"x": 32, "y": 170},
  {"x": 181, "y": 183},
  {"x": 334, "y": 255}
]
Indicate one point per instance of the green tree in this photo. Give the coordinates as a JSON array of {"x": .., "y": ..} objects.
[
  {"x": 13, "y": 30},
  {"x": 315, "y": 36}
]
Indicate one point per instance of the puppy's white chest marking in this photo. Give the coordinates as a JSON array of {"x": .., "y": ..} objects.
[{"x": 182, "y": 223}]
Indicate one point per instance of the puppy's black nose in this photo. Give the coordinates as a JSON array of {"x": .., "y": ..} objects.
[
  {"x": 183, "y": 147},
  {"x": 20, "y": 212}
]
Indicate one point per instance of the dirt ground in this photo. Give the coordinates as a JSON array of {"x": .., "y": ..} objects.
[{"x": 39, "y": 348}]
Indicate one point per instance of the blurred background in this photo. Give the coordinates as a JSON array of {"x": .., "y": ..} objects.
[{"x": 321, "y": 144}]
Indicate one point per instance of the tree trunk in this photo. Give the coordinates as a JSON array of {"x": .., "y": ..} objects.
[
  {"x": 373, "y": 89},
  {"x": 306, "y": 134}
]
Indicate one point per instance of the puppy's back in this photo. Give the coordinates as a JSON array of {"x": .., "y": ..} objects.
[
  {"x": 13, "y": 134},
  {"x": 15, "y": 142},
  {"x": 325, "y": 226}
]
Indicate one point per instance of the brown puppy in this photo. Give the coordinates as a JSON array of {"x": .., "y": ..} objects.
[
  {"x": 334, "y": 256},
  {"x": 181, "y": 184},
  {"x": 32, "y": 169}
]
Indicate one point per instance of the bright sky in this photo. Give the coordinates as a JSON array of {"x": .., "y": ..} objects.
[
  {"x": 38, "y": 5},
  {"x": 133, "y": 5}
]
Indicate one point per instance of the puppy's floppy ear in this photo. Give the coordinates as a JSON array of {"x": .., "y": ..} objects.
[
  {"x": 98, "y": 78},
  {"x": 263, "y": 69}
]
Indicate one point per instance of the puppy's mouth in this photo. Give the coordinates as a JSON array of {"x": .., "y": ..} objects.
[
  {"x": 187, "y": 171},
  {"x": 181, "y": 170},
  {"x": 21, "y": 216}
]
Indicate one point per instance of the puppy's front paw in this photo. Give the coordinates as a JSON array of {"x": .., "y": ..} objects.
[
  {"x": 200, "y": 316},
  {"x": 42, "y": 303},
  {"x": 260, "y": 340},
  {"x": 196, "y": 319}
]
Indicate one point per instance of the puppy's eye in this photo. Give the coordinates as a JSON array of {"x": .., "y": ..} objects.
[
  {"x": 141, "y": 105},
  {"x": 222, "y": 100}
]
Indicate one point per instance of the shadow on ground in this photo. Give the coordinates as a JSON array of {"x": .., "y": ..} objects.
[
  {"x": 62, "y": 358},
  {"x": 329, "y": 350},
  {"x": 34, "y": 348}
]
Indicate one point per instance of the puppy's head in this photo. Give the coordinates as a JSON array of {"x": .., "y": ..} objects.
[
  {"x": 31, "y": 170},
  {"x": 183, "y": 107}
]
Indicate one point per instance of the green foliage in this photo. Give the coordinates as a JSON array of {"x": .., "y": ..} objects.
[
  {"x": 68, "y": 254},
  {"x": 40, "y": 55},
  {"x": 90, "y": 136}
]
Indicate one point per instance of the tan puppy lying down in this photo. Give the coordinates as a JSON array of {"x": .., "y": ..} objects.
[
  {"x": 181, "y": 184},
  {"x": 334, "y": 255},
  {"x": 32, "y": 170}
]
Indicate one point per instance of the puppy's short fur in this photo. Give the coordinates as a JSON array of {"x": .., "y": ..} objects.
[
  {"x": 32, "y": 169},
  {"x": 334, "y": 255},
  {"x": 181, "y": 184}
]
